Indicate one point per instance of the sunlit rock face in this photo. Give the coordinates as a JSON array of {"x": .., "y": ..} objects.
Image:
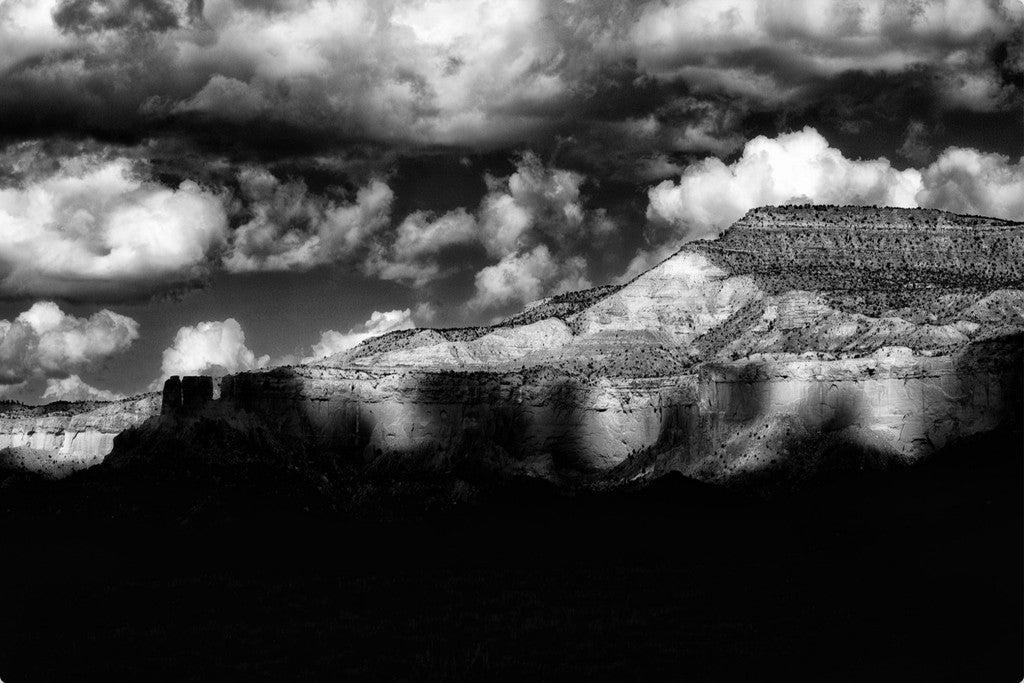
[
  {"x": 58, "y": 439},
  {"x": 681, "y": 299},
  {"x": 803, "y": 338}
]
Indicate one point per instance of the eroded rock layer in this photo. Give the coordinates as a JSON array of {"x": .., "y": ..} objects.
[
  {"x": 804, "y": 338},
  {"x": 64, "y": 437}
]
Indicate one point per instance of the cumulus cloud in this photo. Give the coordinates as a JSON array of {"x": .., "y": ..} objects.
[
  {"x": 46, "y": 342},
  {"x": 96, "y": 225},
  {"x": 967, "y": 181},
  {"x": 531, "y": 224},
  {"x": 794, "y": 167},
  {"x": 332, "y": 341},
  {"x": 235, "y": 100},
  {"x": 532, "y": 203},
  {"x": 535, "y": 222},
  {"x": 523, "y": 277},
  {"x": 292, "y": 229},
  {"x": 646, "y": 259},
  {"x": 91, "y": 224},
  {"x": 801, "y": 167},
  {"x": 72, "y": 388},
  {"x": 210, "y": 348},
  {"x": 420, "y": 239}
]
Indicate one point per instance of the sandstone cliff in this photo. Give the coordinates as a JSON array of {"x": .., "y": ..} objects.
[
  {"x": 62, "y": 437},
  {"x": 803, "y": 338}
]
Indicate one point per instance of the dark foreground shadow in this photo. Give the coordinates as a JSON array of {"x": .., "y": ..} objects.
[{"x": 910, "y": 575}]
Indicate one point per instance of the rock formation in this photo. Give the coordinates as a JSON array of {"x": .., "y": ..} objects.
[
  {"x": 64, "y": 437},
  {"x": 803, "y": 338},
  {"x": 186, "y": 395}
]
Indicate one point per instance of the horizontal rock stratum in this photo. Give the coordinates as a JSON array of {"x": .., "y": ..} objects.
[
  {"x": 63, "y": 437},
  {"x": 804, "y": 338}
]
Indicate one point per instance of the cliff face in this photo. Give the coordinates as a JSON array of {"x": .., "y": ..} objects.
[
  {"x": 804, "y": 338},
  {"x": 60, "y": 438}
]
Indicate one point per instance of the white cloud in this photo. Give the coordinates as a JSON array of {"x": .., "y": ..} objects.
[
  {"x": 438, "y": 72},
  {"x": 293, "y": 229},
  {"x": 27, "y": 29},
  {"x": 210, "y": 348},
  {"x": 419, "y": 240},
  {"x": 45, "y": 341},
  {"x": 332, "y": 341},
  {"x": 801, "y": 167},
  {"x": 968, "y": 181},
  {"x": 532, "y": 221},
  {"x": 72, "y": 388},
  {"x": 794, "y": 167},
  {"x": 533, "y": 203},
  {"x": 523, "y": 277},
  {"x": 645, "y": 260},
  {"x": 235, "y": 100},
  {"x": 93, "y": 225}
]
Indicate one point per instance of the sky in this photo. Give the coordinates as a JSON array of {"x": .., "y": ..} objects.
[{"x": 212, "y": 186}]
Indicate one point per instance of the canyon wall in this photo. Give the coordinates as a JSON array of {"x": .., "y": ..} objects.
[
  {"x": 60, "y": 438},
  {"x": 540, "y": 421},
  {"x": 881, "y": 334},
  {"x": 721, "y": 421},
  {"x": 804, "y": 338}
]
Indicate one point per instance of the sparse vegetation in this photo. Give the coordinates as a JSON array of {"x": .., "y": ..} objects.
[{"x": 885, "y": 250}]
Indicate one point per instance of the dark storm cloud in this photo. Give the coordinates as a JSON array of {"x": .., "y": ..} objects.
[
  {"x": 297, "y": 117},
  {"x": 142, "y": 15},
  {"x": 268, "y": 6},
  {"x": 480, "y": 75}
]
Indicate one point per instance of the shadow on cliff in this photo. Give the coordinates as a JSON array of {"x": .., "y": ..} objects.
[
  {"x": 821, "y": 440},
  {"x": 261, "y": 422},
  {"x": 753, "y": 447},
  {"x": 481, "y": 425},
  {"x": 1001, "y": 358},
  {"x": 684, "y": 437},
  {"x": 454, "y": 435}
]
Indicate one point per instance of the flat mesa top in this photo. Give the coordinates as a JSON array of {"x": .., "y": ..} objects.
[
  {"x": 825, "y": 217},
  {"x": 855, "y": 247},
  {"x": 839, "y": 281}
]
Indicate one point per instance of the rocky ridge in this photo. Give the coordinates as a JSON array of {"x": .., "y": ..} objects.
[
  {"x": 63, "y": 437},
  {"x": 804, "y": 338}
]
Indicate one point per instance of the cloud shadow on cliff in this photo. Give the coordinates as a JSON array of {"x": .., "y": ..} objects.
[
  {"x": 733, "y": 432},
  {"x": 490, "y": 423},
  {"x": 260, "y": 419}
]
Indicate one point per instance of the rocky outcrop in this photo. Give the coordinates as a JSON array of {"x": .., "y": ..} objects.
[
  {"x": 63, "y": 437},
  {"x": 805, "y": 337},
  {"x": 186, "y": 395}
]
